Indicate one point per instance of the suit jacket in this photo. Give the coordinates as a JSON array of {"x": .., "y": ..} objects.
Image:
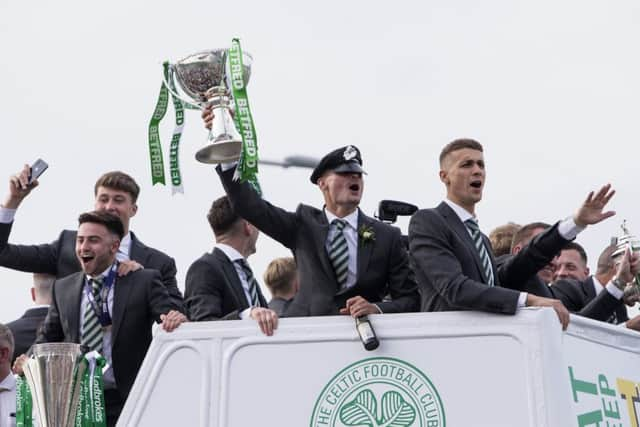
[
  {"x": 583, "y": 300},
  {"x": 25, "y": 329},
  {"x": 382, "y": 264},
  {"x": 572, "y": 295},
  {"x": 213, "y": 289},
  {"x": 139, "y": 299},
  {"x": 59, "y": 258},
  {"x": 449, "y": 270},
  {"x": 279, "y": 305}
]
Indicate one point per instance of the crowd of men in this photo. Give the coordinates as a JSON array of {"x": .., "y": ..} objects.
[{"x": 101, "y": 287}]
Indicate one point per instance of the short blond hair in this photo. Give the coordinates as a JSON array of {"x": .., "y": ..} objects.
[
  {"x": 280, "y": 275},
  {"x": 501, "y": 238}
]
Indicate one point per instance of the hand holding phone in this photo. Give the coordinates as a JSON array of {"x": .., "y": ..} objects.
[{"x": 37, "y": 168}]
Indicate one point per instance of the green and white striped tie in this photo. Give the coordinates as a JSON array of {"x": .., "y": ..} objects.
[
  {"x": 91, "y": 327},
  {"x": 251, "y": 281},
  {"x": 339, "y": 252},
  {"x": 478, "y": 242}
]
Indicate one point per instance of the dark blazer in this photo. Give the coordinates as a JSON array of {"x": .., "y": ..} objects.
[
  {"x": 25, "y": 329},
  {"x": 59, "y": 258},
  {"x": 572, "y": 295},
  {"x": 581, "y": 297},
  {"x": 213, "y": 289},
  {"x": 449, "y": 271},
  {"x": 139, "y": 299},
  {"x": 279, "y": 305},
  {"x": 382, "y": 265}
]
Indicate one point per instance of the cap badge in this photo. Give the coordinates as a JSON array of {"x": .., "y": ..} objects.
[{"x": 349, "y": 153}]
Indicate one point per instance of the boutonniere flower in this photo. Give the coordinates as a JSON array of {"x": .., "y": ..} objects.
[{"x": 366, "y": 234}]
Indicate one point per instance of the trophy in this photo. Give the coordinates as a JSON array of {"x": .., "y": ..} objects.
[
  {"x": 628, "y": 240},
  {"x": 203, "y": 79},
  {"x": 54, "y": 374}
]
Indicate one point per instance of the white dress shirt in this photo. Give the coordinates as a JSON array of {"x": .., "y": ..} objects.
[
  {"x": 350, "y": 232},
  {"x": 107, "y": 376},
  {"x": 8, "y": 401},
  {"x": 233, "y": 256}
]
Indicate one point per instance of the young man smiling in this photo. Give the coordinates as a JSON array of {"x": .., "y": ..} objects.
[
  {"x": 115, "y": 192},
  {"x": 452, "y": 258},
  {"x": 348, "y": 262}
]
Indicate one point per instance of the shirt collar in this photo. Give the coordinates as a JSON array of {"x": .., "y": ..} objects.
[
  {"x": 103, "y": 274},
  {"x": 125, "y": 244},
  {"x": 598, "y": 287},
  {"x": 351, "y": 219},
  {"x": 230, "y": 252},
  {"x": 9, "y": 382},
  {"x": 462, "y": 213}
]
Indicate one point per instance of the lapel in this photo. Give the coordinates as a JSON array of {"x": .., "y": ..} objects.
[
  {"x": 121, "y": 290},
  {"x": 138, "y": 251},
  {"x": 72, "y": 291},
  {"x": 463, "y": 234},
  {"x": 588, "y": 288},
  {"x": 231, "y": 276},
  {"x": 320, "y": 230},
  {"x": 364, "y": 248}
]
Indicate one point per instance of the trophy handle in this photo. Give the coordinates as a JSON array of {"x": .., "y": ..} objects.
[{"x": 176, "y": 94}]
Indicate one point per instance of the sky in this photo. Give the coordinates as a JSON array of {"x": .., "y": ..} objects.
[{"x": 550, "y": 88}]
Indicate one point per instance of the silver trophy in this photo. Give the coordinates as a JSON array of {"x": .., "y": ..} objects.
[
  {"x": 202, "y": 78},
  {"x": 54, "y": 374},
  {"x": 628, "y": 240}
]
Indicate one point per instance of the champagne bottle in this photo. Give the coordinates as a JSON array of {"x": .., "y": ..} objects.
[{"x": 367, "y": 334}]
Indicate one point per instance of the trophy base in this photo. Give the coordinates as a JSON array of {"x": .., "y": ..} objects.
[{"x": 220, "y": 152}]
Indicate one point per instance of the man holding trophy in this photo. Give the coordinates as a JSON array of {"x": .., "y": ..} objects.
[{"x": 106, "y": 313}]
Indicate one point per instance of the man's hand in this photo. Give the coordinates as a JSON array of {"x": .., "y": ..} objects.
[
  {"x": 126, "y": 267},
  {"x": 591, "y": 211},
  {"x": 358, "y": 306},
  {"x": 267, "y": 319},
  {"x": 631, "y": 294},
  {"x": 628, "y": 266},
  {"x": 634, "y": 323},
  {"x": 19, "y": 188},
  {"x": 207, "y": 116},
  {"x": 172, "y": 320},
  {"x": 18, "y": 365},
  {"x": 561, "y": 310}
]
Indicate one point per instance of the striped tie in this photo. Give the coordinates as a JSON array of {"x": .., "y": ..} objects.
[
  {"x": 251, "y": 281},
  {"x": 339, "y": 252},
  {"x": 91, "y": 327},
  {"x": 485, "y": 259}
]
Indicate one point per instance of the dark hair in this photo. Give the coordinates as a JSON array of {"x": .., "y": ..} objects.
[
  {"x": 118, "y": 181},
  {"x": 573, "y": 246},
  {"x": 221, "y": 216},
  {"x": 459, "y": 144},
  {"x": 109, "y": 220},
  {"x": 524, "y": 235},
  {"x": 280, "y": 274}
]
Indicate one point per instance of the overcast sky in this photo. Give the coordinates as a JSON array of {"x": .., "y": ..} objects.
[{"x": 550, "y": 88}]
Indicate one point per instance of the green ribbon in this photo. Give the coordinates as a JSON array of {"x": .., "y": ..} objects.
[
  {"x": 176, "y": 176},
  {"x": 91, "y": 410},
  {"x": 24, "y": 403},
  {"x": 247, "y": 169},
  {"x": 155, "y": 147}
]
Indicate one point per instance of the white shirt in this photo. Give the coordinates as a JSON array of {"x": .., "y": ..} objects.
[
  {"x": 233, "y": 256},
  {"x": 350, "y": 232},
  {"x": 611, "y": 288},
  {"x": 8, "y": 401},
  {"x": 107, "y": 376}
]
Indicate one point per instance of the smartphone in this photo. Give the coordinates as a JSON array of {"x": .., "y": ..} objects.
[{"x": 37, "y": 168}]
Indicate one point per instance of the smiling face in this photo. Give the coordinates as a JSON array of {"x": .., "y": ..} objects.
[
  {"x": 96, "y": 248},
  {"x": 570, "y": 265},
  {"x": 117, "y": 202},
  {"x": 342, "y": 191},
  {"x": 462, "y": 172}
]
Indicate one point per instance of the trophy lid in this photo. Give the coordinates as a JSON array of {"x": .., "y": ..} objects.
[{"x": 626, "y": 240}]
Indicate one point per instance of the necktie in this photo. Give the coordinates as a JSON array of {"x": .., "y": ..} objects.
[
  {"x": 339, "y": 252},
  {"x": 251, "y": 281},
  {"x": 91, "y": 327},
  {"x": 485, "y": 259}
]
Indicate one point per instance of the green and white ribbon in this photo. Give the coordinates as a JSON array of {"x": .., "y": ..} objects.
[
  {"x": 24, "y": 403},
  {"x": 91, "y": 410},
  {"x": 174, "y": 150},
  {"x": 247, "y": 169},
  {"x": 155, "y": 147}
]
